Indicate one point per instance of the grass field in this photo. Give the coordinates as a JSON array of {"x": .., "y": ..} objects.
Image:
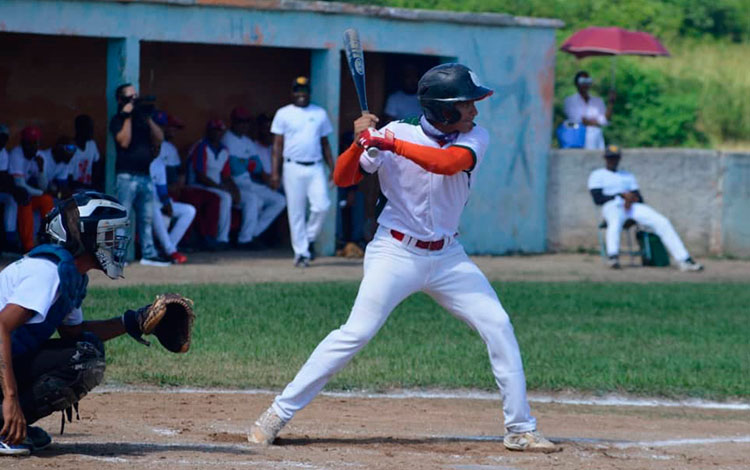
[{"x": 659, "y": 340}]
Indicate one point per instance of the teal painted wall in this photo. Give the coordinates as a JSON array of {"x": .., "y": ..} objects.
[{"x": 506, "y": 212}]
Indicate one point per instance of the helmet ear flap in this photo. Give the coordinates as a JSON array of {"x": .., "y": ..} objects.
[{"x": 71, "y": 223}]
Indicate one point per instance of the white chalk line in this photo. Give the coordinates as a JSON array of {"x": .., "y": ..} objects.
[
  {"x": 606, "y": 400},
  {"x": 620, "y": 444}
]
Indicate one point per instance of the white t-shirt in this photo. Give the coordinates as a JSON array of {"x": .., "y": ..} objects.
[
  {"x": 82, "y": 163},
  {"x": 302, "y": 129},
  {"x": 612, "y": 183},
  {"x": 402, "y": 105},
  {"x": 158, "y": 171},
  {"x": 424, "y": 205},
  {"x": 576, "y": 109},
  {"x": 33, "y": 284},
  {"x": 52, "y": 169},
  {"x": 4, "y": 160}
]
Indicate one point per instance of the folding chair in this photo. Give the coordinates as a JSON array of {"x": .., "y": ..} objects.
[{"x": 630, "y": 228}]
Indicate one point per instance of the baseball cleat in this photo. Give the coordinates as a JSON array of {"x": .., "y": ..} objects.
[
  {"x": 530, "y": 441},
  {"x": 690, "y": 265},
  {"x": 302, "y": 262},
  {"x": 266, "y": 428}
]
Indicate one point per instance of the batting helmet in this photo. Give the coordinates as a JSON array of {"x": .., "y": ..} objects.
[
  {"x": 92, "y": 222},
  {"x": 441, "y": 87}
]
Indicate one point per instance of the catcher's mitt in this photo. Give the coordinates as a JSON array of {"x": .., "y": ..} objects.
[{"x": 170, "y": 318}]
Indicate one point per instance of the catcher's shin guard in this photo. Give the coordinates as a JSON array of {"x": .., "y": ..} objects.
[{"x": 62, "y": 388}]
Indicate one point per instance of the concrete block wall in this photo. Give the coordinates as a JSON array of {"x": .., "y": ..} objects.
[{"x": 705, "y": 194}]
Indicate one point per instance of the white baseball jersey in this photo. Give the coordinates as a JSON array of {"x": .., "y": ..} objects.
[
  {"x": 424, "y": 205},
  {"x": 4, "y": 160},
  {"x": 54, "y": 170},
  {"x": 214, "y": 164},
  {"x": 33, "y": 284},
  {"x": 612, "y": 183},
  {"x": 302, "y": 129},
  {"x": 168, "y": 152},
  {"x": 402, "y": 105},
  {"x": 82, "y": 163},
  {"x": 20, "y": 166},
  {"x": 264, "y": 155},
  {"x": 158, "y": 171}
]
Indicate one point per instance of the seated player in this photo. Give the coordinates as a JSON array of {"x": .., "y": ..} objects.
[
  {"x": 10, "y": 194},
  {"x": 27, "y": 168},
  {"x": 85, "y": 167},
  {"x": 209, "y": 170},
  {"x": 616, "y": 191},
  {"x": 42, "y": 293},
  {"x": 57, "y": 161},
  {"x": 167, "y": 212}
]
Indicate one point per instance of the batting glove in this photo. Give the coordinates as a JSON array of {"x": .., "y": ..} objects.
[{"x": 372, "y": 137}]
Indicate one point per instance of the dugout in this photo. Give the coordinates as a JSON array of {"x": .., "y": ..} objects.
[{"x": 143, "y": 41}]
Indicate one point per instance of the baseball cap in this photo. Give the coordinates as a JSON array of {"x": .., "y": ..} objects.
[
  {"x": 612, "y": 151},
  {"x": 216, "y": 124},
  {"x": 175, "y": 122},
  {"x": 4, "y": 129},
  {"x": 31, "y": 134},
  {"x": 160, "y": 118},
  {"x": 301, "y": 83},
  {"x": 240, "y": 113}
]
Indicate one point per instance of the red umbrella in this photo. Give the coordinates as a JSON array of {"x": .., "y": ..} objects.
[{"x": 596, "y": 41}]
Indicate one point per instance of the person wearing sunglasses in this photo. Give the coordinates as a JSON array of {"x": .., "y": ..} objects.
[{"x": 583, "y": 108}]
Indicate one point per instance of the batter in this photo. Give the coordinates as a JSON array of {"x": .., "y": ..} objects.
[{"x": 424, "y": 167}]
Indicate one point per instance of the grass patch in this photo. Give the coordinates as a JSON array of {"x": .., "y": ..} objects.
[{"x": 667, "y": 340}]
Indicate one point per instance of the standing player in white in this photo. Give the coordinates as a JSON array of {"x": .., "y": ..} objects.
[
  {"x": 616, "y": 191},
  {"x": 424, "y": 167},
  {"x": 243, "y": 159},
  {"x": 300, "y": 131}
]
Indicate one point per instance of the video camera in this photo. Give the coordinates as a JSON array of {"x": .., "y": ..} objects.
[{"x": 144, "y": 105}]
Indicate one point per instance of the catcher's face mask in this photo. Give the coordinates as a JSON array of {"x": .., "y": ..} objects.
[{"x": 112, "y": 240}]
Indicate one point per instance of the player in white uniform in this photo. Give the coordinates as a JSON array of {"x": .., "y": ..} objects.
[
  {"x": 425, "y": 168},
  {"x": 87, "y": 153},
  {"x": 57, "y": 160},
  {"x": 244, "y": 159},
  {"x": 300, "y": 131},
  {"x": 167, "y": 210},
  {"x": 618, "y": 193}
]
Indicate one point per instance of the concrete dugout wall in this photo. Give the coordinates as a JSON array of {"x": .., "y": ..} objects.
[
  {"x": 512, "y": 55},
  {"x": 704, "y": 193}
]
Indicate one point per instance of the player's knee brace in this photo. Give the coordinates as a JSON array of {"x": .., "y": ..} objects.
[{"x": 62, "y": 388}]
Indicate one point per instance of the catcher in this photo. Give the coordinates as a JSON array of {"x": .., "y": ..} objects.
[{"x": 42, "y": 293}]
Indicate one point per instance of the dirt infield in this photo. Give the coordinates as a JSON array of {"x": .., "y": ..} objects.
[
  {"x": 204, "y": 430},
  {"x": 242, "y": 267}
]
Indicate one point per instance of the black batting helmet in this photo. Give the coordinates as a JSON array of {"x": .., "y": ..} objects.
[{"x": 441, "y": 87}]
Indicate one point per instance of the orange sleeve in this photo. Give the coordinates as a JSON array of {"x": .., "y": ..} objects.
[
  {"x": 448, "y": 161},
  {"x": 346, "y": 172}
]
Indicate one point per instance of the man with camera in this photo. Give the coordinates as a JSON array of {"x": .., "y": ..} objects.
[{"x": 135, "y": 135}]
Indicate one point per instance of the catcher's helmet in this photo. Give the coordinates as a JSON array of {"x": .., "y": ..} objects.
[
  {"x": 92, "y": 222},
  {"x": 441, "y": 87}
]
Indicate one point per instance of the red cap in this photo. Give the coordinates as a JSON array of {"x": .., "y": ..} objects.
[
  {"x": 240, "y": 113},
  {"x": 175, "y": 122},
  {"x": 216, "y": 124},
  {"x": 31, "y": 134}
]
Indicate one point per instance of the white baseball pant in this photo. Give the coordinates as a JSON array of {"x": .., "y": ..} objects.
[
  {"x": 269, "y": 203},
  {"x": 184, "y": 215},
  {"x": 394, "y": 270},
  {"x": 249, "y": 215},
  {"x": 303, "y": 183},
  {"x": 10, "y": 213},
  {"x": 615, "y": 214}
]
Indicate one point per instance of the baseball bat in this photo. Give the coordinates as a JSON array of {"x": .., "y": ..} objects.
[{"x": 355, "y": 58}]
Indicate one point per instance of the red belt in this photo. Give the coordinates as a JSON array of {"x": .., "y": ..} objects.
[{"x": 432, "y": 246}]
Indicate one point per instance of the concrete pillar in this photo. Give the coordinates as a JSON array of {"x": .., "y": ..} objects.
[
  {"x": 123, "y": 66},
  {"x": 325, "y": 78}
]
